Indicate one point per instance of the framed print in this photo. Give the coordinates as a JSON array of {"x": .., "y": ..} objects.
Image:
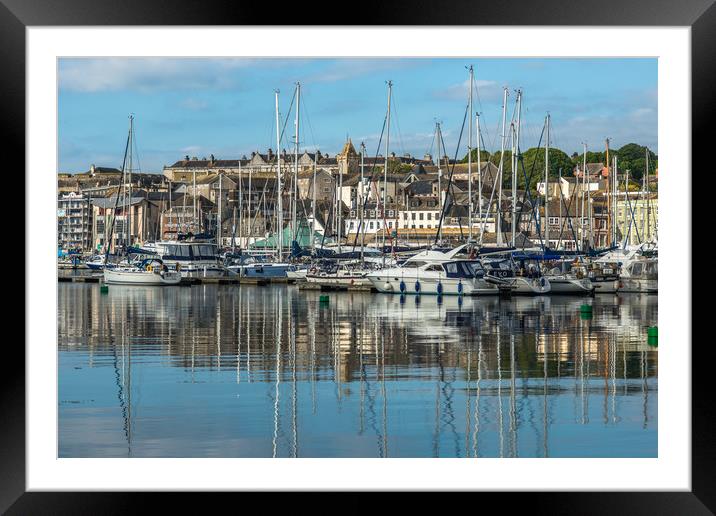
[{"x": 413, "y": 256}]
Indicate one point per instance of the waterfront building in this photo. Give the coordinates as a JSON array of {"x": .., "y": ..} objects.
[
  {"x": 74, "y": 217},
  {"x": 637, "y": 217},
  {"x": 142, "y": 214}
]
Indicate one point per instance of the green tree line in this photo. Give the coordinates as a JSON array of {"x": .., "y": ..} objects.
[{"x": 630, "y": 157}]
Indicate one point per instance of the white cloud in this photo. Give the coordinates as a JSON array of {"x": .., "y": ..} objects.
[
  {"x": 147, "y": 74},
  {"x": 486, "y": 91}
]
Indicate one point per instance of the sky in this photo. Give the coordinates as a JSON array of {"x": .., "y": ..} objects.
[{"x": 226, "y": 106}]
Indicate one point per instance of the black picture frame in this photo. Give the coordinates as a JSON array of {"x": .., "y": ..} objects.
[{"x": 700, "y": 15}]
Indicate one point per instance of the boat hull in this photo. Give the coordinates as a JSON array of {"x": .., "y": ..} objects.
[
  {"x": 127, "y": 277},
  {"x": 527, "y": 286},
  {"x": 435, "y": 286},
  {"x": 562, "y": 285}
]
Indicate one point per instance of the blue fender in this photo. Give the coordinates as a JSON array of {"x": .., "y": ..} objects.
[
  {"x": 440, "y": 287},
  {"x": 417, "y": 286}
]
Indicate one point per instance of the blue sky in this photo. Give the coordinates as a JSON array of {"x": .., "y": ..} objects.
[{"x": 225, "y": 106}]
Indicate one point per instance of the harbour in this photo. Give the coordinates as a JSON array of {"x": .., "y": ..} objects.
[{"x": 485, "y": 288}]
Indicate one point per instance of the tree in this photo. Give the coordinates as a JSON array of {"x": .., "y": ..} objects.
[
  {"x": 533, "y": 162},
  {"x": 484, "y": 156},
  {"x": 632, "y": 157}
]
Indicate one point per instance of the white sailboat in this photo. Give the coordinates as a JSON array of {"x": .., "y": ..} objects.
[{"x": 151, "y": 271}]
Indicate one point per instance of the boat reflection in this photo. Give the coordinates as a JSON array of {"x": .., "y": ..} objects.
[{"x": 276, "y": 372}]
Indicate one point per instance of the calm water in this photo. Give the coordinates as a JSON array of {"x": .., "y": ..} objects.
[{"x": 229, "y": 371}]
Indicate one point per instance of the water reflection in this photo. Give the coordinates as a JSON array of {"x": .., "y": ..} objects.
[{"x": 274, "y": 372}]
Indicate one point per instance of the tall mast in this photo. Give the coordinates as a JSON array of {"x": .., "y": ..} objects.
[
  {"x": 610, "y": 200},
  {"x": 248, "y": 212},
  {"x": 218, "y": 228},
  {"x": 295, "y": 158},
  {"x": 339, "y": 205},
  {"x": 385, "y": 172},
  {"x": 241, "y": 205},
  {"x": 469, "y": 158},
  {"x": 362, "y": 200},
  {"x": 584, "y": 182},
  {"x": 279, "y": 188},
  {"x": 614, "y": 197},
  {"x": 128, "y": 208},
  {"x": 194, "y": 200},
  {"x": 499, "y": 172},
  {"x": 648, "y": 199},
  {"x": 313, "y": 204},
  {"x": 560, "y": 205},
  {"x": 546, "y": 185},
  {"x": 514, "y": 168},
  {"x": 479, "y": 172},
  {"x": 513, "y": 159},
  {"x": 438, "y": 135}
]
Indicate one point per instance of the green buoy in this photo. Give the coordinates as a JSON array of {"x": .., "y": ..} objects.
[
  {"x": 585, "y": 308},
  {"x": 652, "y": 341},
  {"x": 586, "y": 316},
  {"x": 653, "y": 331},
  {"x": 104, "y": 289},
  {"x": 323, "y": 300}
]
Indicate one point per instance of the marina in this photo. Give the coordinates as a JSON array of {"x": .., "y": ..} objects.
[{"x": 496, "y": 297}]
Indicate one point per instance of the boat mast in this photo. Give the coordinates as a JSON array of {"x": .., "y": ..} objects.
[
  {"x": 248, "y": 212},
  {"x": 584, "y": 183},
  {"x": 279, "y": 201},
  {"x": 362, "y": 201},
  {"x": 313, "y": 204},
  {"x": 479, "y": 173},
  {"x": 339, "y": 205},
  {"x": 440, "y": 174},
  {"x": 499, "y": 172},
  {"x": 648, "y": 200},
  {"x": 516, "y": 155},
  {"x": 546, "y": 185},
  {"x": 295, "y": 165},
  {"x": 129, "y": 182},
  {"x": 241, "y": 206},
  {"x": 385, "y": 172},
  {"x": 614, "y": 197},
  {"x": 469, "y": 158},
  {"x": 194, "y": 200},
  {"x": 218, "y": 229}
]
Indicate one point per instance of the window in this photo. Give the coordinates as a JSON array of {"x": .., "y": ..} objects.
[
  {"x": 430, "y": 215},
  {"x": 371, "y": 225},
  {"x": 421, "y": 216},
  {"x": 391, "y": 213},
  {"x": 554, "y": 220},
  {"x": 413, "y": 216},
  {"x": 405, "y": 216},
  {"x": 390, "y": 224},
  {"x": 421, "y": 226}
]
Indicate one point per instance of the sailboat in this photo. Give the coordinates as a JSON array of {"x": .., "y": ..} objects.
[{"x": 151, "y": 271}]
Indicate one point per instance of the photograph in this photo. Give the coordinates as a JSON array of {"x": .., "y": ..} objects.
[{"x": 353, "y": 257}]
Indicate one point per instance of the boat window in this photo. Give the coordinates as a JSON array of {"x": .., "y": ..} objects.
[
  {"x": 413, "y": 265},
  {"x": 636, "y": 269},
  {"x": 451, "y": 268},
  {"x": 207, "y": 251},
  {"x": 438, "y": 268}
]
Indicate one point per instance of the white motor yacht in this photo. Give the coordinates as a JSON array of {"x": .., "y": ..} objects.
[{"x": 434, "y": 272}]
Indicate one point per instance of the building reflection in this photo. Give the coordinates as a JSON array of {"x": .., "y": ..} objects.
[{"x": 492, "y": 368}]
